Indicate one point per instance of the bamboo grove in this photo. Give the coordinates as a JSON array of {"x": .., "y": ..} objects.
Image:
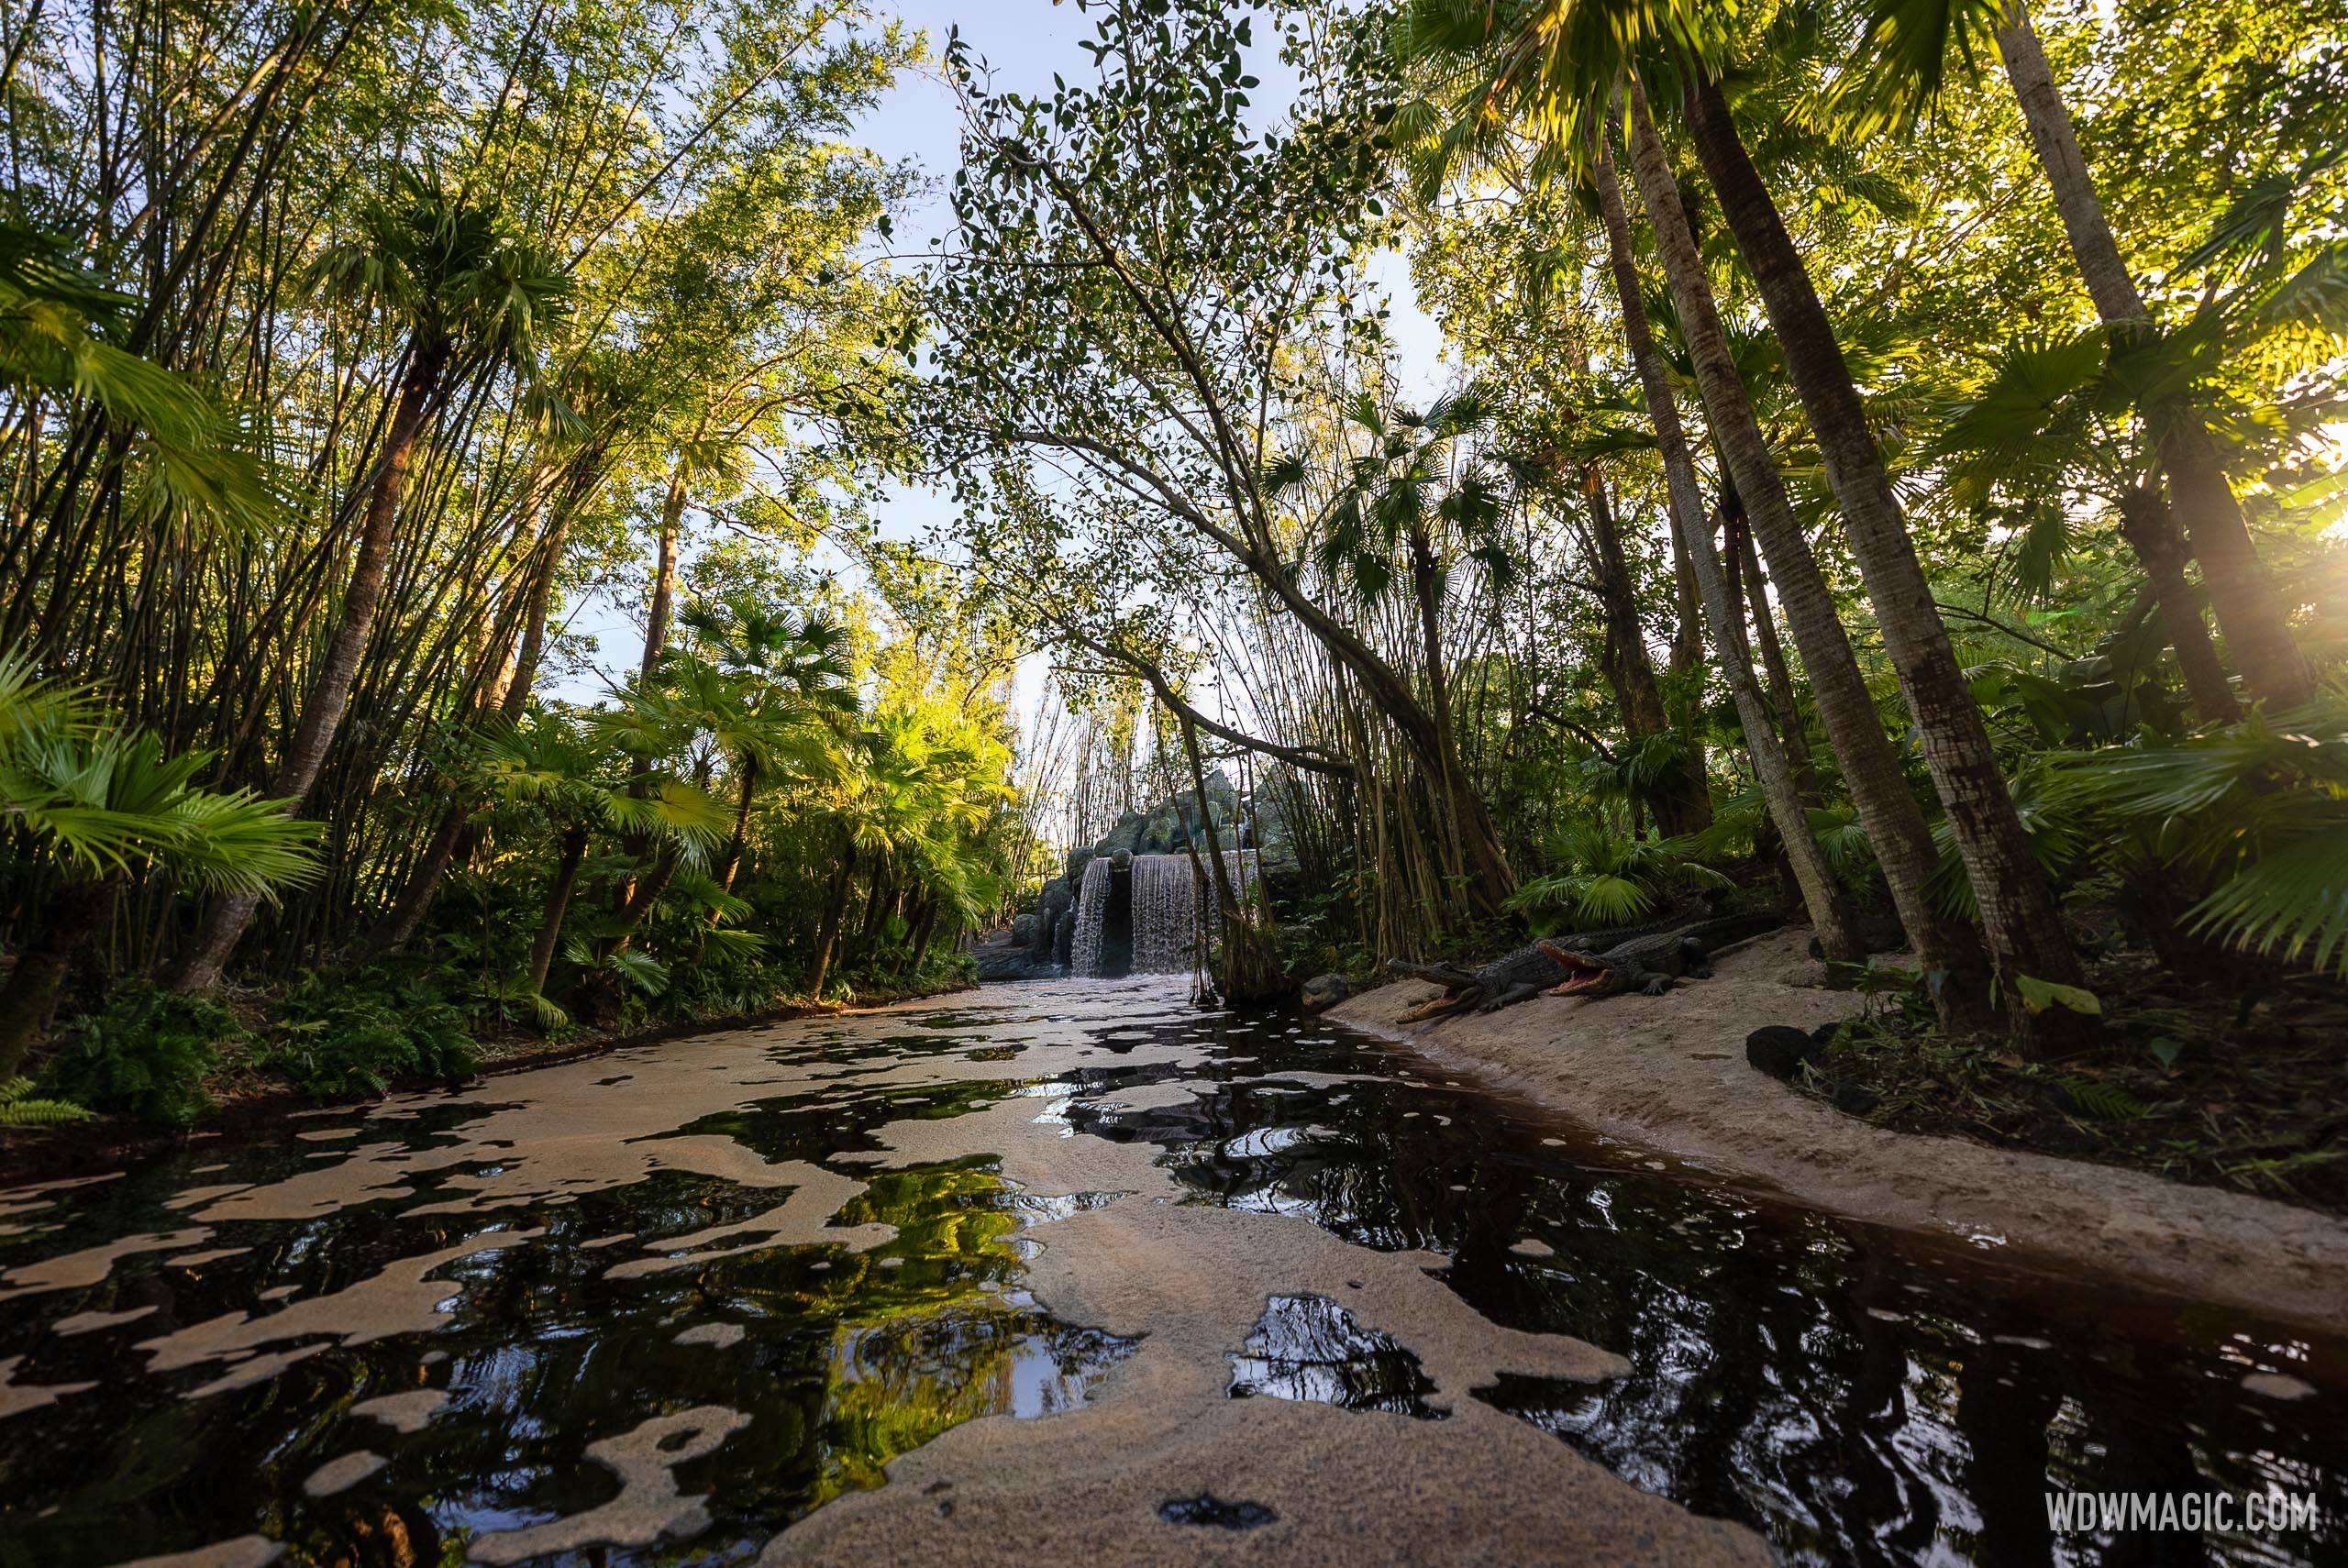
[{"x": 347, "y": 351}]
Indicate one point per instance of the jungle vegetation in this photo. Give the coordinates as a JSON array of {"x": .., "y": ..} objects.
[{"x": 1888, "y": 464}]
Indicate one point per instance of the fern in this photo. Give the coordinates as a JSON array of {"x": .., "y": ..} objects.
[
  {"x": 146, "y": 1051},
  {"x": 21, "y": 1108},
  {"x": 2102, "y": 1101},
  {"x": 356, "y": 1033}
]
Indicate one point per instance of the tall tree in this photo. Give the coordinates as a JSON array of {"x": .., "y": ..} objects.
[
  {"x": 472, "y": 298},
  {"x": 2028, "y": 947},
  {"x": 1820, "y": 894},
  {"x": 1912, "y": 40}
]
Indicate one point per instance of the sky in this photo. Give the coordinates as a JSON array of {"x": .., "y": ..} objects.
[{"x": 918, "y": 123}]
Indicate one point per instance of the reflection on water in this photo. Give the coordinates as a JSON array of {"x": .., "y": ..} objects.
[
  {"x": 1308, "y": 1347},
  {"x": 1855, "y": 1406},
  {"x": 844, "y": 1358}
]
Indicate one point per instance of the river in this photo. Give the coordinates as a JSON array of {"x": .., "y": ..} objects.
[{"x": 1103, "y": 1274}]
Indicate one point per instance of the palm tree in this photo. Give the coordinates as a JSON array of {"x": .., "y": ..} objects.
[
  {"x": 2025, "y": 935},
  {"x": 1894, "y": 822},
  {"x": 1423, "y": 494},
  {"x": 1572, "y": 93},
  {"x": 58, "y": 324},
  {"x": 1419, "y": 494},
  {"x": 1909, "y": 40},
  {"x": 915, "y": 792},
  {"x": 1558, "y": 65},
  {"x": 1821, "y": 895},
  {"x": 95, "y": 802},
  {"x": 2047, "y": 422},
  {"x": 471, "y": 296},
  {"x": 779, "y": 681},
  {"x": 566, "y": 769}
]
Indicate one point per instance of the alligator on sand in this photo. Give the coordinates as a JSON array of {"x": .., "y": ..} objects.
[{"x": 1645, "y": 959}]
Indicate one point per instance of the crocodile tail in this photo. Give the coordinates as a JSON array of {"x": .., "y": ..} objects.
[{"x": 1737, "y": 927}]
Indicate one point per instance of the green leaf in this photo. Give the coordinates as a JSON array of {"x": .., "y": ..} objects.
[{"x": 2038, "y": 994}]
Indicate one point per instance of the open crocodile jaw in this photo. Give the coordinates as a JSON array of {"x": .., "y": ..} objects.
[{"x": 1583, "y": 973}]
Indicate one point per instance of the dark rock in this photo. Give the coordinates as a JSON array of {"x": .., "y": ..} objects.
[
  {"x": 1823, "y": 1035},
  {"x": 1781, "y": 1052},
  {"x": 1856, "y": 1097},
  {"x": 1211, "y": 1510},
  {"x": 1324, "y": 991},
  {"x": 1879, "y": 930},
  {"x": 1022, "y": 931},
  {"x": 1055, "y": 901},
  {"x": 1003, "y": 957},
  {"x": 1064, "y": 938}
]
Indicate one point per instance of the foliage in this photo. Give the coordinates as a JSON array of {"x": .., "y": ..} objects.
[
  {"x": 1603, "y": 878},
  {"x": 341, "y": 1037},
  {"x": 21, "y": 1107},
  {"x": 2256, "y": 814},
  {"x": 101, "y": 798},
  {"x": 147, "y": 1053}
]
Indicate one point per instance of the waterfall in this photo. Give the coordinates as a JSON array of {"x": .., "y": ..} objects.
[
  {"x": 1165, "y": 909},
  {"x": 1091, "y": 916},
  {"x": 1165, "y": 901}
]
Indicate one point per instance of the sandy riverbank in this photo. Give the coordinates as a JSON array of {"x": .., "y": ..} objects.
[{"x": 1668, "y": 1074}]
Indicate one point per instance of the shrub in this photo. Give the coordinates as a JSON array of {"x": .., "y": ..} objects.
[
  {"x": 21, "y": 1108},
  {"x": 146, "y": 1052},
  {"x": 345, "y": 1036}
]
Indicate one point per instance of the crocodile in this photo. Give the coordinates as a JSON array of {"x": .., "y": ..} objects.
[
  {"x": 1525, "y": 973},
  {"x": 1651, "y": 963}
]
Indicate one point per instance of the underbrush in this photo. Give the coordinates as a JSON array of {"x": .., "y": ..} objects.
[
  {"x": 147, "y": 1052},
  {"x": 338, "y": 1036},
  {"x": 2188, "y": 1084},
  {"x": 170, "y": 1061}
]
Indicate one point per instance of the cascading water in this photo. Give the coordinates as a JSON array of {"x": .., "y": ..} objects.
[
  {"x": 1165, "y": 902},
  {"x": 1091, "y": 917}
]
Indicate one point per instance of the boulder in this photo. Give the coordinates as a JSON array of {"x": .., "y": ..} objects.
[
  {"x": 1022, "y": 931},
  {"x": 1055, "y": 902},
  {"x": 1782, "y": 1052},
  {"x": 1322, "y": 992},
  {"x": 1064, "y": 938}
]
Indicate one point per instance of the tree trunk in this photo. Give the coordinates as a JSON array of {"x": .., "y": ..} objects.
[
  {"x": 1820, "y": 896},
  {"x": 2249, "y": 611},
  {"x": 731, "y": 860},
  {"x": 2025, "y": 933},
  {"x": 661, "y": 611},
  {"x": 505, "y": 701},
  {"x": 1630, "y": 668},
  {"x": 1424, "y": 590},
  {"x": 2152, "y": 533},
  {"x": 416, "y": 899},
  {"x": 531, "y": 650},
  {"x": 226, "y": 920},
  {"x": 647, "y": 891},
  {"x": 827, "y": 930},
  {"x": 566, "y": 880},
  {"x": 75, "y": 910},
  {"x": 1738, "y": 537},
  {"x": 1879, "y": 793},
  {"x": 1685, "y": 697},
  {"x": 925, "y": 928}
]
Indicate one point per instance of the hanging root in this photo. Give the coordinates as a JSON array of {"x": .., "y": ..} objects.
[{"x": 1248, "y": 963}]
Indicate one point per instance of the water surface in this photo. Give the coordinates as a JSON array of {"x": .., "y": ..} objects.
[{"x": 653, "y": 1309}]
